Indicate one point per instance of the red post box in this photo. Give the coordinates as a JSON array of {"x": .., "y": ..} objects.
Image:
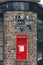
[{"x": 21, "y": 47}]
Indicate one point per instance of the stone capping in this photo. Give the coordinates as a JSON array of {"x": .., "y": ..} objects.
[{"x": 19, "y": 0}]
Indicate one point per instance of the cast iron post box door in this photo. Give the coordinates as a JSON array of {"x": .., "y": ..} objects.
[{"x": 21, "y": 47}]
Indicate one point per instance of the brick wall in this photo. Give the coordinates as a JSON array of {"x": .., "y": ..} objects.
[{"x": 10, "y": 39}]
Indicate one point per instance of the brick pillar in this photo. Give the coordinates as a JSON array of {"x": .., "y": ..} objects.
[{"x": 10, "y": 39}]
